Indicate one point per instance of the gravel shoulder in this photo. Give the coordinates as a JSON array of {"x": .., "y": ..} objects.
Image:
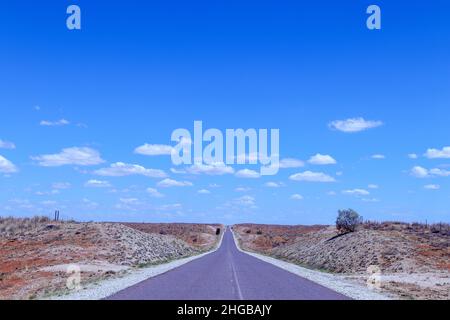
[
  {"x": 106, "y": 288},
  {"x": 338, "y": 283}
]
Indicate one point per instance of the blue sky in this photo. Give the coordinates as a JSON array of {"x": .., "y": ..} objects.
[{"x": 140, "y": 69}]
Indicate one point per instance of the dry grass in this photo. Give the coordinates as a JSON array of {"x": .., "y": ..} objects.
[
  {"x": 10, "y": 226},
  {"x": 201, "y": 236},
  {"x": 414, "y": 258},
  {"x": 35, "y": 257},
  {"x": 436, "y": 228}
]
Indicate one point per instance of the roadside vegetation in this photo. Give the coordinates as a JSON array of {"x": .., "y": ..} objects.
[
  {"x": 36, "y": 253},
  {"x": 11, "y": 226},
  {"x": 413, "y": 259}
]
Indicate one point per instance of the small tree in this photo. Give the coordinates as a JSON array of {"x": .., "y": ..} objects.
[{"x": 348, "y": 221}]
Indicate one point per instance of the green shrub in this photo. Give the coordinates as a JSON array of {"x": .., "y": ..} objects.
[{"x": 348, "y": 220}]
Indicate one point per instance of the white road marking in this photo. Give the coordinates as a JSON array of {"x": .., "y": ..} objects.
[{"x": 236, "y": 280}]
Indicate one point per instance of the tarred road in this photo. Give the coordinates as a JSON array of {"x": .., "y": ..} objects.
[{"x": 227, "y": 274}]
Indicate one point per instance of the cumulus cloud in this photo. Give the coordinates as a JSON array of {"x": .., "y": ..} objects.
[
  {"x": 97, "y": 184},
  {"x": 89, "y": 204},
  {"x": 70, "y": 156},
  {"x": 439, "y": 172},
  {"x": 215, "y": 169},
  {"x": 6, "y": 145},
  {"x": 357, "y": 192},
  {"x": 242, "y": 189},
  {"x": 120, "y": 169},
  {"x": 154, "y": 193},
  {"x": 272, "y": 185},
  {"x": 432, "y": 187},
  {"x": 310, "y": 176},
  {"x": 444, "y": 153},
  {"x": 7, "y": 166},
  {"x": 57, "y": 123},
  {"x": 297, "y": 197},
  {"x": 288, "y": 163},
  {"x": 154, "y": 150},
  {"x": 413, "y": 156},
  {"x": 248, "y": 174},
  {"x": 168, "y": 183},
  {"x": 214, "y": 185},
  {"x": 129, "y": 200},
  {"x": 354, "y": 125},
  {"x": 378, "y": 156},
  {"x": 420, "y": 172},
  {"x": 370, "y": 200},
  {"x": 204, "y": 191},
  {"x": 47, "y": 193},
  {"x": 372, "y": 186},
  {"x": 321, "y": 159},
  {"x": 247, "y": 201},
  {"x": 131, "y": 204}
]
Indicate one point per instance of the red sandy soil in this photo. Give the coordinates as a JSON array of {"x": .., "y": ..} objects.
[
  {"x": 34, "y": 258},
  {"x": 202, "y": 236},
  {"x": 414, "y": 258}
]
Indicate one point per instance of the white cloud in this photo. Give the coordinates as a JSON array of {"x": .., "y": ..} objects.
[
  {"x": 204, "y": 191},
  {"x": 242, "y": 189},
  {"x": 154, "y": 150},
  {"x": 129, "y": 200},
  {"x": 370, "y": 200},
  {"x": 310, "y": 176},
  {"x": 7, "y": 166},
  {"x": 97, "y": 184},
  {"x": 272, "y": 185},
  {"x": 89, "y": 204},
  {"x": 358, "y": 192},
  {"x": 61, "y": 185},
  {"x": 413, "y": 156},
  {"x": 420, "y": 172},
  {"x": 58, "y": 123},
  {"x": 439, "y": 172},
  {"x": 130, "y": 204},
  {"x": 432, "y": 187},
  {"x": 70, "y": 156},
  {"x": 378, "y": 156},
  {"x": 177, "y": 171},
  {"x": 354, "y": 125},
  {"x": 297, "y": 197},
  {"x": 247, "y": 174},
  {"x": 331, "y": 193},
  {"x": 47, "y": 193},
  {"x": 291, "y": 163},
  {"x": 6, "y": 145},
  {"x": 168, "y": 183},
  {"x": 154, "y": 193},
  {"x": 215, "y": 169},
  {"x": 321, "y": 159},
  {"x": 120, "y": 169},
  {"x": 247, "y": 201},
  {"x": 373, "y": 186},
  {"x": 444, "y": 153},
  {"x": 214, "y": 185}
]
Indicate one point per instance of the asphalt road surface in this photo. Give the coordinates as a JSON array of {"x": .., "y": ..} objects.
[{"x": 227, "y": 274}]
